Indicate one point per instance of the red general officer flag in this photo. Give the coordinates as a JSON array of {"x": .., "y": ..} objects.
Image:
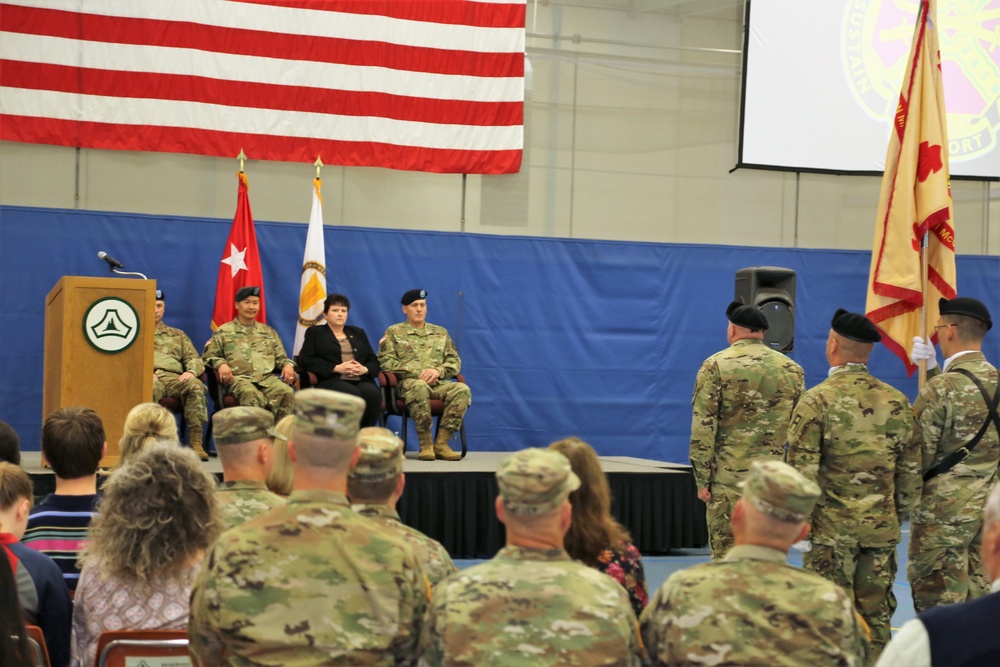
[
  {"x": 240, "y": 263},
  {"x": 915, "y": 200}
]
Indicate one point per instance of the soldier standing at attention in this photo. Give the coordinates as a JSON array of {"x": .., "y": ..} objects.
[
  {"x": 247, "y": 353},
  {"x": 310, "y": 582},
  {"x": 753, "y": 608},
  {"x": 177, "y": 367},
  {"x": 244, "y": 437},
  {"x": 532, "y": 604},
  {"x": 425, "y": 359},
  {"x": 376, "y": 484},
  {"x": 743, "y": 397},
  {"x": 857, "y": 439},
  {"x": 957, "y": 411}
]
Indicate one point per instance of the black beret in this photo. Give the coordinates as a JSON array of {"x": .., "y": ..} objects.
[
  {"x": 746, "y": 316},
  {"x": 855, "y": 326},
  {"x": 967, "y": 306},
  {"x": 413, "y": 295},
  {"x": 245, "y": 292},
  {"x": 159, "y": 295}
]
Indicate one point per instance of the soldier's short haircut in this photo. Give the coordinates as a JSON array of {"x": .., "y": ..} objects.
[
  {"x": 315, "y": 452},
  {"x": 991, "y": 512},
  {"x": 10, "y": 444},
  {"x": 854, "y": 349},
  {"x": 73, "y": 441},
  {"x": 375, "y": 493},
  {"x": 969, "y": 328}
]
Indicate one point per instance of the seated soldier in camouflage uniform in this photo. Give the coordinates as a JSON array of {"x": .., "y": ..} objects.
[
  {"x": 247, "y": 353},
  {"x": 376, "y": 484},
  {"x": 425, "y": 359},
  {"x": 244, "y": 437},
  {"x": 311, "y": 582},
  {"x": 752, "y": 608},
  {"x": 532, "y": 604},
  {"x": 177, "y": 367}
]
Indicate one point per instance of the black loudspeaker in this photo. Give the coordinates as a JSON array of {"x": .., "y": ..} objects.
[{"x": 772, "y": 290}]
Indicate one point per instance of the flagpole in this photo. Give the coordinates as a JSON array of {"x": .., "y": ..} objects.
[
  {"x": 241, "y": 157},
  {"x": 922, "y": 376}
]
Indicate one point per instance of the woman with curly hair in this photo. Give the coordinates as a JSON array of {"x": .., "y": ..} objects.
[
  {"x": 153, "y": 526},
  {"x": 145, "y": 424},
  {"x": 594, "y": 537}
]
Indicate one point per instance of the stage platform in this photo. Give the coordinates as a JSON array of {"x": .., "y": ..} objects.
[{"x": 453, "y": 501}]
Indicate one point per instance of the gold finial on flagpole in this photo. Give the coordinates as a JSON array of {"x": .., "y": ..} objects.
[
  {"x": 241, "y": 157},
  {"x": 319, "y": 165}
]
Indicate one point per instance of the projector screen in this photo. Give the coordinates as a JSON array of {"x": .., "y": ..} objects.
[{"x": 821, "y": 80}]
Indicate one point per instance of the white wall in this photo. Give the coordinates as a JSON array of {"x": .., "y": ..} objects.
[{"x": 631, "y": 130}]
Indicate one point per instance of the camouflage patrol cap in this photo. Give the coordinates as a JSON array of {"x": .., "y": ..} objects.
[
  {"x": 535, "y": 481},
  {"x": 779, "y": 490},
  {"x": 243, "y": 423},
  {"x": 381, "y": 455},
  {"x": 245, "y": 292},
  {"x": 413, "y": 295},
  {"x": 328, "y": 414}
]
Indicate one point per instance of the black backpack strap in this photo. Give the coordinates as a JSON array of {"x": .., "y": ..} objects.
[{"x": 992, "y": 417}]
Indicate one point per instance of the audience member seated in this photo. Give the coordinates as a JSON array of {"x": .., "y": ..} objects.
[
  {"x": 43, "y": 594},
  {"x": 73, "y": 444},
  {"x": 311, "y": 582},
  {"x": 595, "y": 537},
  {"x": 246, "y": 354},
  {"x": 14, "y": 648},
  {"x": 531, "y": 604},
  {"x": 957, "y": 635},
  {"x": 376, "y": 484},
  {"x": 145, "y": 424},
  {"x": 752, "y": 607},
  {"x": 157, "y": 519},
  {"x": 282, "y": 474},
  {"x": 342, "y": 358},
  {"x": 244, "y": 439},
  {"x": 10, "y": 444}
]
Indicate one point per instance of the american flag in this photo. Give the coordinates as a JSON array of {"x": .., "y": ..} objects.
[{"x": 422, "y": 85}]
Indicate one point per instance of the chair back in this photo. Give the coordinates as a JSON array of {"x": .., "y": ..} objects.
[
  {"x": 36, "y": 643},
  {"x": 115, "y": 647}
]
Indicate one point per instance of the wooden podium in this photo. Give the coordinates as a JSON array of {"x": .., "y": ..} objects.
[{"x": 99, "y": 349}]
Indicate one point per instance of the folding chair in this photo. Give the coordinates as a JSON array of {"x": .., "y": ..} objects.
[
  {"x": 115, "y": 647},
  {"x": 36, "y": 642}
]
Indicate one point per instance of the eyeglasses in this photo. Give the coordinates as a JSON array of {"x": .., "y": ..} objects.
[{"x": 943, "y": 326}]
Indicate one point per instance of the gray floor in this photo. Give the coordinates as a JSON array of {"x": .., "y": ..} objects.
[{"x": 658, "y": 568}]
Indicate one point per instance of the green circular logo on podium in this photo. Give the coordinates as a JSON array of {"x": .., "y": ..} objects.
[{"x": 111, "y": 325}]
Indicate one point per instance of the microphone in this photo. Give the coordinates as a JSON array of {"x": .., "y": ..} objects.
[{"x": 112, "y": 262}]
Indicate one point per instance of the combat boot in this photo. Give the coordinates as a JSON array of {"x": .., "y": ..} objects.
[
  {"x": 426, "y": 446},
  {"x": 196, "y": 444},
  {"x": 442, "y": 450}
]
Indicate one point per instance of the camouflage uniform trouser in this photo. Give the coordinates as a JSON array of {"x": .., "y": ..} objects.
[
  {"x": 867, "y": 574},
  {"x": 720, "y": 510},
  {"x": 270, "y": 393},
  {"x": 945, "y": 564},
  {"x": 190, "y": 393},
  {"x": 417, "y": 394}
]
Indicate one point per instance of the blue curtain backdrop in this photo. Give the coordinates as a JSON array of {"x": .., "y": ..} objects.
[{"x": 558, "y": 337}]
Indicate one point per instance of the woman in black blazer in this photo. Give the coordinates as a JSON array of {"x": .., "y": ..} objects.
[{"x": 342, "y": 358}]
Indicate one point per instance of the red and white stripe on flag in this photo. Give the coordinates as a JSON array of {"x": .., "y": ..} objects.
[{"x": 434, "y": 85}]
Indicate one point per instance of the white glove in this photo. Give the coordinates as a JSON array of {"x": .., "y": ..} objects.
[{"x": 923, "y": 350}]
